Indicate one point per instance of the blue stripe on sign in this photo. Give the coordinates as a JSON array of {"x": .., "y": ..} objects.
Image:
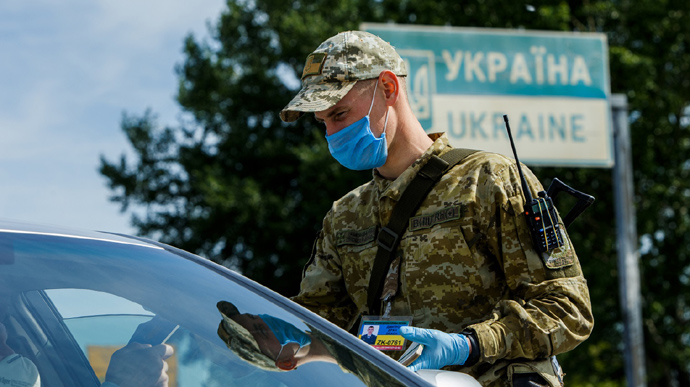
[{"x": 475, "y": 62}]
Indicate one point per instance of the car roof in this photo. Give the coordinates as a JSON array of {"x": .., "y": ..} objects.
[{"x": 14, "y": 226}]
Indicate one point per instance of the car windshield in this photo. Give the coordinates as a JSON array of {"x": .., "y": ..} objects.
[{"x": 69, "y": 303}]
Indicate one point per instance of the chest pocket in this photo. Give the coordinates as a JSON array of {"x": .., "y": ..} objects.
[
  {"x": 357, "y": 250},
  {"x": 447, "y": 283}
]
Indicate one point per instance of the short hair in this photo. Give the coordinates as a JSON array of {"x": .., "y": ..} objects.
[{"x": 363, "y": 86}]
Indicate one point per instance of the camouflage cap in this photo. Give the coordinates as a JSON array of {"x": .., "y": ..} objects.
[
  {"x": 336, "y": 65},
  {"x": 240, "y": 341}
]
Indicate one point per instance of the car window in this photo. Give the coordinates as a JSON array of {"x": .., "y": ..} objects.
[
  {"x": 69, "y": 303},
  {"x": 101, "y": 323}
]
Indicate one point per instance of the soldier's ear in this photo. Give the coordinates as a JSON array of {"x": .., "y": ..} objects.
[{"x": 390, "y": 84}]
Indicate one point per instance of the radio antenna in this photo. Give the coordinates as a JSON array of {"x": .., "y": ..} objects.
[{"x": 525, "y": 189}]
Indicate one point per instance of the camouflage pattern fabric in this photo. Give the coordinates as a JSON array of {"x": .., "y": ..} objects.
[
  {"x": 240, "y": 341},
  {"x": 334, "y": 68},
  {"x": 467, "y": 263}
]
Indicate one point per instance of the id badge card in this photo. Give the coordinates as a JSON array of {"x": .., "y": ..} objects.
[{"x": 383, "y": 333}]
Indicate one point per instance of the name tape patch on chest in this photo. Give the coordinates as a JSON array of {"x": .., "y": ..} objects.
[
  {"x": 355, "y": 237},
  {"x": 430, "y": 220}
]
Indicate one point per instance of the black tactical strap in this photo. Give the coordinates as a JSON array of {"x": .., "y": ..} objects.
[{"x": 389, "y": 236}]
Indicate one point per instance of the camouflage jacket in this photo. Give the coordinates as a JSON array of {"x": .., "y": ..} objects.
[{"x": 467, "y": 262}]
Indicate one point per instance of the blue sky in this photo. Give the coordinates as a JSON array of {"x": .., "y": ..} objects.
[{"x": 68, "y": 70}]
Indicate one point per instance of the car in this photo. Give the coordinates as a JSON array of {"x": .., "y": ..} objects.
[{"x": 74, "y": 302}]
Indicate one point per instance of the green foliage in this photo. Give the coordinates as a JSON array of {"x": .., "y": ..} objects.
[
  {"x": 233, "y": 183},
  {"x": 238, "y": 186}
]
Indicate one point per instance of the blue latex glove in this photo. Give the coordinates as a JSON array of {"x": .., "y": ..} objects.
[{"x": 440, "y": 348}]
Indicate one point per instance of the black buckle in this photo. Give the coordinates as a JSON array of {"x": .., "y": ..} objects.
[
  {"x": 434, "y": 168},
  {"x": 388, "y": 233}
]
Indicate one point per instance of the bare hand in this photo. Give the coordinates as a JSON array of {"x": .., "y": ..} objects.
[{"x": 139, "y": 365}]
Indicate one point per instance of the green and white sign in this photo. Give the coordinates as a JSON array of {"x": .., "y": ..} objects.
[{"x": 554, "y": 87}]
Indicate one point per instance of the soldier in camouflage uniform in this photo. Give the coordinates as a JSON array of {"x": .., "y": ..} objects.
[{"x": 484, "y": 300}]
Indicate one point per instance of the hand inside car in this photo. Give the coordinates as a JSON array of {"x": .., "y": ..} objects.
[{"x": 139, "y": 365}]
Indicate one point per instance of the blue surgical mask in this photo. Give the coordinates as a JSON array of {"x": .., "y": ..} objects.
[
  {"x": 286, "y": 332},
  {"x": 356, "y": 147}
]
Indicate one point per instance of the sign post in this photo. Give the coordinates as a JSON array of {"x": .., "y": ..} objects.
[{"x": 628, "y": 254}]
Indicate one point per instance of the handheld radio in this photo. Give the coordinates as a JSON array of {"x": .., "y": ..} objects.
[{"x": 540, "y": 212}]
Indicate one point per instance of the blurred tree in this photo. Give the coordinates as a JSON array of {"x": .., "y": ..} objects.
[{"x": 236, "y": 185}]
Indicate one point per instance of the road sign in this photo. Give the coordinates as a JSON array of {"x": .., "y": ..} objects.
[{"x": 554, "y": 87}]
